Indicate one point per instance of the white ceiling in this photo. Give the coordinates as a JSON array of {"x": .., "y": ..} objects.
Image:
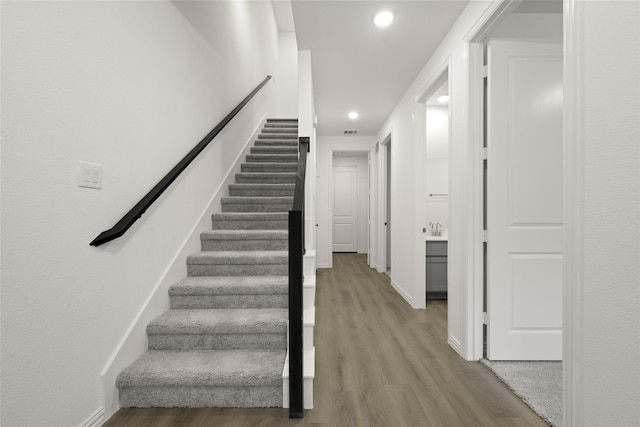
[{"x": 357, "y": 66}]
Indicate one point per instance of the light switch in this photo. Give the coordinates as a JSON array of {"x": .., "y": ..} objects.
[{"x": 90, "y": 175}]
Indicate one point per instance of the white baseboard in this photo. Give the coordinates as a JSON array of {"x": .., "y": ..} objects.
[
  {"x": 455, "y": 344},
  {"x": 402, "y": 292},
  {"x": 134, "y": 342},
  {"x": 95, "y": 420}
]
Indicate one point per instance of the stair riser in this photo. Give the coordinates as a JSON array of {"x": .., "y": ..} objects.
[
  {"x": 238, "y": 270},
  {"x": 201, "y": 397},
  {"x": 249, "y": 178},
  {"x": 184, "y": 342},
  {"x": 268, "y": 167},
  {"x": 256, "y": 207},
  {"x": 244, "y": 245},
  {"x": 272, "y": 158},
  {"x": 249, "y": 225},
  {"x": 229, "y": 301},
  {"x": 271, "y": 192}
]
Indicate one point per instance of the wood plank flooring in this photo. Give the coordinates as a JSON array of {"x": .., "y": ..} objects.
[{"x": 378, "y": 363}]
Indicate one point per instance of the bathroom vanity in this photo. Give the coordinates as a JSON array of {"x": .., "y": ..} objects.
[{"x": 436, "y": 267}]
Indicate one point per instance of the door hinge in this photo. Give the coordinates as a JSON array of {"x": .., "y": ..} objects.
[
  {"x": 485, "y": 71},
  {"x": 484, "y": 152},
  {"x": 484, "y": 235},
  {"x": 485, "y": 318}
]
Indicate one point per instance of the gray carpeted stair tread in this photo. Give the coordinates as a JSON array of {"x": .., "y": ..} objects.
[
  {"x": 272, "y": 158},
  {"x": 281, "y": 129},
  {"x": 288, "y": 177},
  {"x": 231, "y": 285},
  {"x": 275, "y": 149},
  {"x": 288, "y": 136},
  {"x": 281, "y": 125},
  {"x": 250, "y": 216},
  {"x": 276, "y": 143},
  {"x": 205, "y": 368},
  {"x": 265, "y": 167},
  {"x": 256, "y": 199},
  {"x": 256, "y": 204},
  {"x": 250, "y": 220},
  {"x": 244, "y": 235},
  {"x": 266, "y": 190},
  {"x": 238, "y": 257},
  {"x": 226, "y": 321}
]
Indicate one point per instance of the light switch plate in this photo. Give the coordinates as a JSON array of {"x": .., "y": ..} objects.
[{"x": 90, "y": 175}]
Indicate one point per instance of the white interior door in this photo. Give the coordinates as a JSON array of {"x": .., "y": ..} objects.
[
  {"x": 345, "y": 209},
  {"x": 524, "y": 201}
]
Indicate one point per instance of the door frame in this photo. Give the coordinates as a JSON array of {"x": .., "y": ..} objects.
[
  {"x": 573, "y": 305},
  {"x": 442, "y": 74},
  {"x": 383, "y": 192},
  {"x": 332, "y": 151}
]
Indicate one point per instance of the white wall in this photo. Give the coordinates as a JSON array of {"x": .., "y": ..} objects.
[
  {"x": 539, "y": 26},
  {"x": 360, "y": 162},
  {"x": 437, "y": 166},
  {"x": 287, "y": 79},
  {"x": 131, "y": 86},
  {"x": 325, "y": 147},
  {"x": 603, "y": 202}
]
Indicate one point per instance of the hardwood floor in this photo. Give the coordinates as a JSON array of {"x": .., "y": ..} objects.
[{"x": 378, "y": 363}]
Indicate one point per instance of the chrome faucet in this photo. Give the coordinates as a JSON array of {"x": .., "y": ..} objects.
[
  {"x": 438, "y": 231},
  {"x": 431, "y": 228}
]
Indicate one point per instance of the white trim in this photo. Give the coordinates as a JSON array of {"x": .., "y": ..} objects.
[
  {"x": 441, "y": 75},
  {"x": 455, "y": 344},
  {"x": 95, "y": 420},
  {"x": 382, "y": 201},
  {"x": 492, "y": 16},
  {"x": 475, "y": 292},
  {"x": 402, "y": 292},
  {"x": 119, "y": 360},
  {"x": 574, "y": 167}
]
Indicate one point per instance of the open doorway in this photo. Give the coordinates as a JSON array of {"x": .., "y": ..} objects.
[
  {"x": 437, "y": 193},
  {"x": 523, "y": 190},
  {"x": 387, "y": 221},
  {"x": 384, "y": 206}
]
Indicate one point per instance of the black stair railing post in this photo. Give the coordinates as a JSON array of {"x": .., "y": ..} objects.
[{"x": 296, "y": 278}]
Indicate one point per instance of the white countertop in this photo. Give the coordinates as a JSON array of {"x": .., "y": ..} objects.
[{"x": 437, "y": 238}]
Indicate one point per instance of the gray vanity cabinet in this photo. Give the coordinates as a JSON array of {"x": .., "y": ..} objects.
[{"x": 436, "y": 269}]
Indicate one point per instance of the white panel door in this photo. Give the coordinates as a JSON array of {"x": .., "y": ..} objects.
[
  {"x": 524, "y": 201},
  {"x": 345, "y": 209}
]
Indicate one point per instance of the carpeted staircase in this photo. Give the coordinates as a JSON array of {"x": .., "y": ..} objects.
[{"x": 223, "y": 342}]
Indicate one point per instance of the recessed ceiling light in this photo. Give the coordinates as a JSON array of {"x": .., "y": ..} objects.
[
  {"x": 443, "y": 99},
  {"x": 384, "y": 18},
  {"x": 353, "y": 115}
]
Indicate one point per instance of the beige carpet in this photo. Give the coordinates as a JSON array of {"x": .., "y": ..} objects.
[{"x": 538, "y": 384}]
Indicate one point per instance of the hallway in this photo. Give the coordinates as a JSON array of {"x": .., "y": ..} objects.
[{"x": 378, "y": 363}]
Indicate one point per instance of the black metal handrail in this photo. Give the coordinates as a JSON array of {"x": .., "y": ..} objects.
[
  {"x": 296, "y": 259},
  {"x": 136, "y": 212}
]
